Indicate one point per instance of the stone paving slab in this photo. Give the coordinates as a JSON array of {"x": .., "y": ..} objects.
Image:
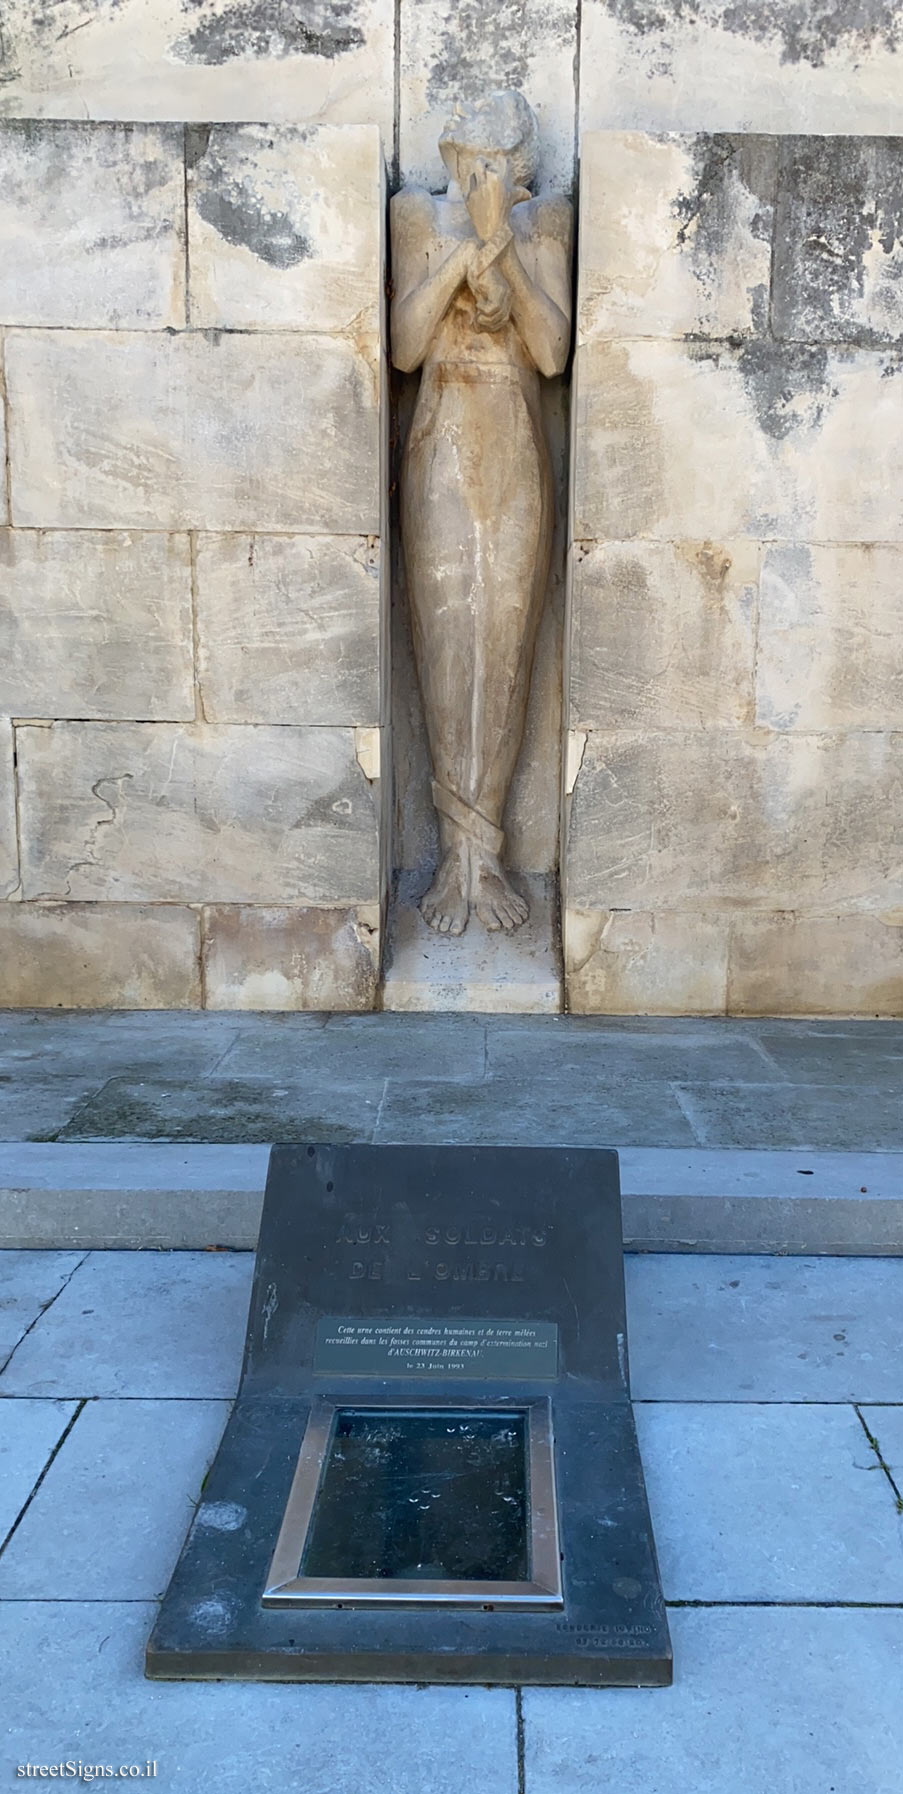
[
  {"x": 765, "y": 1701},
  {"x": 749, "y": 1329},
  {"x": 513, "y": 1110},
  {"x": 127, "y": 1043},
  {"x": 145, "y": 1324},
  {"x": 230, "y": 1109},
  {"x": 40, "y": 1109},
  {"x": 427, "y": 1046},
  {"x": 110, "y": 1517},
  {"x": 74, "y": 1687},
  {"x": 608, "y": 1052},
  {"x": 837, "y": 1116},
  {"x": 29, "y": 1430},
  {"x": 886, "y": 1425},
  {"x": 768, "y": 1503},
  {"x": 832, "y": 1058},
  {"x": 28, "y": 1282}
]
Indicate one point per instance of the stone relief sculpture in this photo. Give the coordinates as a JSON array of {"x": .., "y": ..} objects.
[{"x": 483, "y": 305}]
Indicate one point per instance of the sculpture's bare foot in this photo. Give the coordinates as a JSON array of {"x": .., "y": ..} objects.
[
  {"x": 445, "y": 906},
  {"x": 495, "y": 901}
]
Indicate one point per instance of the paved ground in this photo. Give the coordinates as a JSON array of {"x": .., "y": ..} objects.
[
  {"x": 770, "y": 1411},
  {"x": 584, "y": 1080}
]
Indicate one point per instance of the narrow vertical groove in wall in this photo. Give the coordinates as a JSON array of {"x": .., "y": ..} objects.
[
  {"x": 199, "y": 715},
  {"x": 396, "y": 104},
  {"x": 185, "y": 225},
  {"x": 202, "y": 955},
  {"x": 578, "y": 23},
  {"x": 7, "y": 459},
  {"x": 17, "y": 888}
]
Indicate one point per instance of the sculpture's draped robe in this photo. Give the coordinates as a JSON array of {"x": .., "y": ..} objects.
[{"x": 477, "y": 513}]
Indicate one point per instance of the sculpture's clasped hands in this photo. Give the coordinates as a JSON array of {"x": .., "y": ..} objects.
[{"x": 489, "y": 196}]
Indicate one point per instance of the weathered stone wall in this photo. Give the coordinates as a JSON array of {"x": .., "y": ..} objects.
[
  {"x": 191, "y": 629},
  {"x": 687, "y": 65},
  {"x": 735, "y": 632}
]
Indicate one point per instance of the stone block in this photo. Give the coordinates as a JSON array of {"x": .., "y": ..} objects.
[
  {"x": 705, "y": 441},
  {"x": 285, "y": 227},
  {"x": 289, "y": 628},
  {"x": 767, "y": 1502},
  {"x": 31, "y": 1433},
  {"x": 117, "y": 1500},
  {"x": 99, "y": 956},
  {"x": 462, "y": 51},
  {"x": 623, "y": 962},
  {"x": 838, "y": 263},
  {"x": 287, "y": 958},
  {"x": 670, "y": 66},
  {"x": 830, "y": 627},
  {"x": 194, "y": 431},
  {"x": 214, "y": 1733},
  {"x": 96, "y": 624},
  {"x": 29, "y": 1282},
  {"x": 328, "y": 61},
  {"x": 662, "y": 634},
  {"x": 96, "y": 214},
  {"x": 795, "y": 964},
  {"x": 716, "y": 818},
  {"x": 162, "y": 1324},
  {"x": 9, "y": 850},
  {"x": 767, "y": 1697},
  {"x": 827, "y": 1116},
  {"x": 675, "y": 234},
  {"x": 173, "y": 813},
  {"x": 755, "y": 1328}
]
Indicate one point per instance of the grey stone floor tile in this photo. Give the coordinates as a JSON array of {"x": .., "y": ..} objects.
[
  {"x": 29, "y": 1281},
  {"x": 522, "y": 1111},
  {"x": 603, "y": 1052},
  {"x": 768, "y": 1503},
  {"x": 230, "y": 1109},
  {"x": 73, "y": 1685},
  {"x": 363, "y": 1048},
  {"x": 37, "y": 1107},
  {"x": 765, "y": 1701},
  {"x": 886, "y": 1425},
  {"x": 867, "y": 1062},
  {"x": 29, "y": 1430},
  {"x": 837, "y": 1116},
  {"x": 110, "y": 1517},
  {"x": 140, "y": 1323},
  {"x": 115, "y": 1043},
  {"x": 713, "y": 1328}
]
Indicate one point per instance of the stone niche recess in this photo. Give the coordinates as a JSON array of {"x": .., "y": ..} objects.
[
  {"x": 734, "y": 778},
  {"x": 192, "y": 666}
]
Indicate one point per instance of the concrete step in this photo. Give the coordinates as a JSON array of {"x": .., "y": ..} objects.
[{"x": 128, "y": 1194}]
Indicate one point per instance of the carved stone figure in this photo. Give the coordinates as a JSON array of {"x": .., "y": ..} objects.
[{"x": 482, "y": 304}]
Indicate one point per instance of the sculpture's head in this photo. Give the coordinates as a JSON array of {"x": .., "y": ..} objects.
[{"x": 500, "y": 131}]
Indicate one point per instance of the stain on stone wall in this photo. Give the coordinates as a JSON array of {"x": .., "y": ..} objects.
[
  {"x": 269, "y": 28},
  {"x": 807, "y": 30},
  {"x": 838, "y": 273},
  {"x": 479, "y": 46},
  {"x": 233, "y": 208}
]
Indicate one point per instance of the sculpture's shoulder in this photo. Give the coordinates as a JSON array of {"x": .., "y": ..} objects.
[
  {"x": 550, "y": 217},
  {"x": 412, "y": 213}
]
